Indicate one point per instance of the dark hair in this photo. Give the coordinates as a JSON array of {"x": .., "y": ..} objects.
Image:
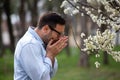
[{"x": 50, "y": 19}]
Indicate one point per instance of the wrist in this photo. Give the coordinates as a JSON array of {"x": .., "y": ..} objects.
[{"x": 52, "y": 58}]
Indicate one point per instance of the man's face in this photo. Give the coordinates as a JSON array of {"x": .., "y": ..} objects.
[{"x": 54, "y": 33}]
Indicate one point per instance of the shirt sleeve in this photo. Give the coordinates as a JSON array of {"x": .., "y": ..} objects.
[
  {"x": 54, "y": 69},
  {"x": 35, "y": 65}
]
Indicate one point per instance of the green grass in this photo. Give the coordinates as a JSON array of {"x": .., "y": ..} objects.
[
  {"x": 6, "y": 67},
  {"x": 68, "y": 68}
]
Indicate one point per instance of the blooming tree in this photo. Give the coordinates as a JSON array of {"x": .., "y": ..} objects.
[{"x": 110, "y": 17}]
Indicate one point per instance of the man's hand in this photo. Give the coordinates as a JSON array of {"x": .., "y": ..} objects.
[{"x": 53, "y": 49}]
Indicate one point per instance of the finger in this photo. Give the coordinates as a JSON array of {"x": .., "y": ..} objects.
[
  {"x": 65, "y": 37},
  {"x": 65, "y": 40},
  {"x": 62, "y": 42},
  {"x": 50, "y": 42},
  {"x": 58, "y": 42},
  {"x": 62, "y": 47}
]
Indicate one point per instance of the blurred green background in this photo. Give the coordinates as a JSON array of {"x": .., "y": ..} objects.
[{"x": 69, "y": 68}]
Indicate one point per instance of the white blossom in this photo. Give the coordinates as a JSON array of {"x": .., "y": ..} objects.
[
  {"x": 76, "y": 1},
  {"x": 116, "y": 55},
  {"x": 97, "y": 64},
  {"x": 64, "y": 3},
  {"x": 75, "y": 11},
  {"x": 82, "y": 35},
  {"x": 110, "y": 17},
  {"x": 68, "y": 10},
  {"x": 97, "y": 55},
  {"x": 99, "y": 11},
  {"x": 82, "y": 14},
  {"x": 83, "y": 7}
]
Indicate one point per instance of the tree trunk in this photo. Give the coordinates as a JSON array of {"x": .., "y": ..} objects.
[
  {"x": 102, "y": 29},
  {"x": 22, "y": 18},
  {"x": 84, "y": 59},
  {"x": 32, "y": 5},
  {"x": 1, "y": 44},
  {"x": 117, "y": 39},
  {"x": 10, "y": 28},
  {"x": 105, "y": 55},
  {"x": 105, "y": 58},
  {"x": 34, "y": 13}
]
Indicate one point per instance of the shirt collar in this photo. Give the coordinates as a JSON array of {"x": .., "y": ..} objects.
[{"x": 36, "y": 36}]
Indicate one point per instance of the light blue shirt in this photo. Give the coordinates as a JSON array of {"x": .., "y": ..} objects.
[{"x": 30, "y": 62}]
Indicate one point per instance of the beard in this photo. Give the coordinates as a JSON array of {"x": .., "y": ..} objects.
[{"x": 48, "y": 37}]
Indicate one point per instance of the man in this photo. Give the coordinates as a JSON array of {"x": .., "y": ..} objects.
[{"x": 35, "y": 52}]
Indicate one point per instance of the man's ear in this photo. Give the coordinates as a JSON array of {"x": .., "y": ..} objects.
[{"x": 46, "y": 28}]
